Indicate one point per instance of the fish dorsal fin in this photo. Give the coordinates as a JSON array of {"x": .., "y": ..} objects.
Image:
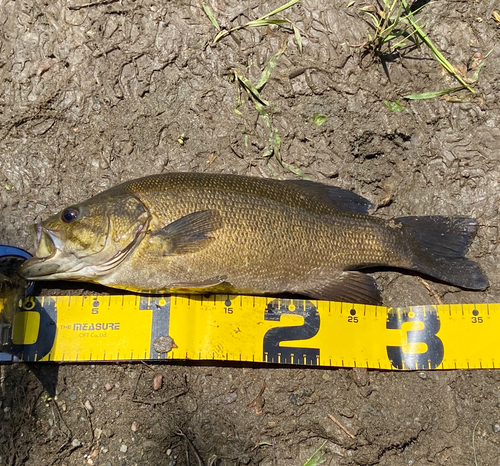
[
  {"x": 348, "y": 287},
  {"x": 189, "y": 233},
  {"x": 333, "y": 196}
]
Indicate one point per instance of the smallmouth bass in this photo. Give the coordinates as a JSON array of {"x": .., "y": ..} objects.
[{"x": 215, "y": 233}]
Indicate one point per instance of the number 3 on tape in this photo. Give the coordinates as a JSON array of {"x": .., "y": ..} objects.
[{"x": 422, "y": 349}]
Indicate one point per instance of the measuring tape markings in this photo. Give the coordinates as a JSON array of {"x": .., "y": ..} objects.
[
  {"x": 472, "y": 332},
  {"x": 243, "y": 328},
  {"x": 108, "y": 328},
  {"x": 34, "y": 331},
  {"x": 160, "y": 322}
]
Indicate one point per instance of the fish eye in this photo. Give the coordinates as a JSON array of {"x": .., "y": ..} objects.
[{"x": 69, "y": 214}]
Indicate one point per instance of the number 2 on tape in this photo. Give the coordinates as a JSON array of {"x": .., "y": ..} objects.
[{"x": 273, "y": 352}]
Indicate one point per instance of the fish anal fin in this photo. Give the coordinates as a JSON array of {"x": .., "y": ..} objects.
[
  {"x": 348, "y": 287},
  {"x": 188, "y": 234}
]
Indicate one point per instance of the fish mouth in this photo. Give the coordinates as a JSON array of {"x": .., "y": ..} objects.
[{"x": 46, "y": 242}]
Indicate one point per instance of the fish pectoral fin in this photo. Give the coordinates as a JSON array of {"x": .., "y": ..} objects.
[
  {"x": 214, "y": 281},
  {"x": 348, "y": 287},
  {"x": 189, "y": 233}
]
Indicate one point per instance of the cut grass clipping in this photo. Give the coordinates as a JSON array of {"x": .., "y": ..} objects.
[
  {"x": 265, "y": 20},
  {"x": 317, "y": 457},
  {"x": 262, "y": 105},
  {"x": 394, "y": 24}
]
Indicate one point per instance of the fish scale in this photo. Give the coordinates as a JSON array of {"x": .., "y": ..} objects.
[{"x": 205, "y": 233}]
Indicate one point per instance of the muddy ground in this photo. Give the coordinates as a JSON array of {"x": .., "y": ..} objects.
[{"x": 94, "y": 93}]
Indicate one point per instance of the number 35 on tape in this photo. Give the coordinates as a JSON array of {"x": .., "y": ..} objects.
[{"x": 254, "y": 329}]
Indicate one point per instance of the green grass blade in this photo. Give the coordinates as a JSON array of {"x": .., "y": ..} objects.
[
  {"x": 210, "y": 15},
  {"x": 222, "y": 34},
  {"x": 439, "y": 56},
  {"x": 261, "y": 107},
  {"x": 298, "y": 37},
  {"x": 266, "y": 22},
  {"x": 318, "y": 119},
  {"x": 387, "y": 17},
  {"x": 298, "y": 172},
  {"x": 317, "y": 456},
  {"x": 280, "y": 9},
  {"x": 252, "y": 92},
  {"x": 269, "y": 68},
  {"x": 432, "y": 95},
  {"x": 475, "y": 76},
  {"x": 275, "y": 140},
  {"x": 262, "y": 21},
  {"x": 376, "y": 22},
  {"x": 394, "y": 106}
]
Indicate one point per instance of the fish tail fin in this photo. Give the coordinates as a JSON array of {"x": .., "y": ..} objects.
[{"x": 440, "y": 245}]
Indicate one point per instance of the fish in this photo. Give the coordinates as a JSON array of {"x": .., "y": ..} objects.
[{"x": 205, "y": 233}]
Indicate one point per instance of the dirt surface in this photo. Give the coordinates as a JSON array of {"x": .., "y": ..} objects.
[{"x": 92, "y": 94}]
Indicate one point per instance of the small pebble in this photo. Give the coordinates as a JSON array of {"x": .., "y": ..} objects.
[
  {"x": 360, "y": 376},
  {"x": 89, "y": 407},
  {"x": 72, "y": 397},
  {"x": 124, "y": 448},
  {"x": 496, "y": 427},
  {"x": 97, "y": 433},
  {"x": 230, "y": 397},
  {"x": 94, "y": 386},
  {"x": 111, "y": 397},
  {"x": 164, "y": 344},
  {"x": 134, "y": 426},
  {"x": 108, "y": 387},
  {"x": 157, "y": 381},
  {"x": 76, "y": 443}
]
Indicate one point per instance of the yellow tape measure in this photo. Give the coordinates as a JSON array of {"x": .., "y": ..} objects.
[{"x": 255, "y": 329}]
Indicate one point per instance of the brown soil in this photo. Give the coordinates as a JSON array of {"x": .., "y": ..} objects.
[{"x": 112, "y": 90}]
